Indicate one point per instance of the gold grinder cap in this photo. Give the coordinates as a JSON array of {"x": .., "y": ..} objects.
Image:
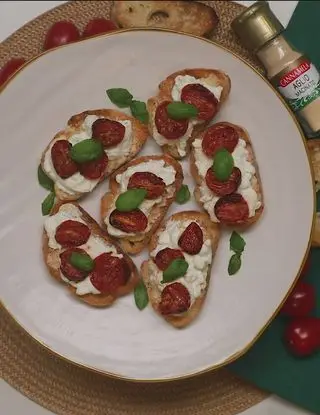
[{"x": 256, "y": 26}]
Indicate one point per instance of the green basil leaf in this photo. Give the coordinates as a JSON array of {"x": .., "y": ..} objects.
[
  {"x": 121, "y": 97},
  {"x": 183, "y": 194},
  {"x": 180, "y": 110},
  {"x": 141, "y": 296},
  {"x": 234, "y": 264},
  {"x": 47, "y": 204},
  {"x": 130, "y": 200},
  {"x": 139, "y": 111},
  {"x": 82, "y": 261},
  {"x": 223, "y": 164},
  {"x": 175, "y": 270},
  {"x": 44, "y": 180},
  {"x": 237, "y": 243},
  {"x": 86, "y": 150}
]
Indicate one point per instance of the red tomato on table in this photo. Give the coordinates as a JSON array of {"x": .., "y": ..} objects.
[
  {"x": 301, "y": 301},
  {"x": 98, "y": 26},
  {"x": 61, "y": 33},
  {"x": 302, "y": 336},
  {"x": 10, "y": 68}
]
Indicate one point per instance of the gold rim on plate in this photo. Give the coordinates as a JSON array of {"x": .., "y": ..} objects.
[{"x": 237, "y": 355}]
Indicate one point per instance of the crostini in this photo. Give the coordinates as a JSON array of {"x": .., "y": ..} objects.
[
  {"x": 224, "y": 167},
  {"x": 192, "y": 17},
  {"x": 78, "y": 254},
  {"x": 92, "y": 146},
  {"x": 139, "y": 196},
  {"x": 206, "y": 89},
  {"x": 314, "y": 150},
  {"x": 177, "y": 274}
]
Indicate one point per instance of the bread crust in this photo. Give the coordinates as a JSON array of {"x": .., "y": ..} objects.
[
  {"x": 211, "y": 231},
  {"x": 139, "y": 135},
  {"x": 258, "y": 187},
  {"x": 164, "y": 94},
  {"x": 314, "y": 151},
  {"x": 51, "y": 259},
  {"x": 135, "y": 244},
  {"x": 190, "y": 17}
]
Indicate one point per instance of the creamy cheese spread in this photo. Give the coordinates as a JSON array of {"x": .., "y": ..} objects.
[
  {"x": 78, "y": 183},
  {"x": 180, "y": 143},
  {"x": 195, "y": 279},
  {"x": 240, "y": 156},
  {"x": 158, "y": 167},
  {"x": 95, "y": 245}
]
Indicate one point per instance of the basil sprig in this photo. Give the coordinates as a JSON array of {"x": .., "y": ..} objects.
[
  {"x": 121, "y": 97},
  {"x": 130, "y": 200},
  {"x": 141, "y": 296},
  {"x": 181, "y": 110},
  {"x": 44, "y": 180},
  {"x": 237, "y": 245},
  {"x": 48, "y": 204},
  {"x": 183, "y": 194},
  {"x": 175, "y": 270},
  {"x": 139, "y": 111},
  {"x": 82, "y": 261},
  {"x": 223, "y": 165},
  {"x": 86, "y": 150},
  {"x": 234, "y": 264}
]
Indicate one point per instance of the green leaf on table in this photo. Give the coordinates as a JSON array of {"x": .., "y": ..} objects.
[
  {"x": 44, "y": 180},
  {"x": 141, "y": 296},
  {"x": 121, "y": 97},
  {"x": 237, "y": 243}
]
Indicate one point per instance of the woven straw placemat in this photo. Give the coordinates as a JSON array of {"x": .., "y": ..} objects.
[{"x": 63, "y": 387}]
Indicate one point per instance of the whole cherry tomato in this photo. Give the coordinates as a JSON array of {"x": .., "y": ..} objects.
[
  {"x": 301, "y": 301},
  {"x": 10, "y": 68},
  {"x": 302, "y": 336},
  {"x": 98, "y": 26},
  {"x": 306, "y": 267},
  {"x": 61, "y": 33}
]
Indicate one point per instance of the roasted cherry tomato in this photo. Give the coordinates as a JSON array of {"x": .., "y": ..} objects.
[
  {"x": 98, "y": 26},
  {"x": 61, "y": 33},
  {"x": 10, "y": 68},
  {"x": 301, "y": 301},
  {"x": 302, "y": 336}
]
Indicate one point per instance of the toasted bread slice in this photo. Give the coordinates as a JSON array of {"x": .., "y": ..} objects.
[
  {"x": 314, "y": 150},
  {"x": 51, "y": 255},
  {"x": 128, "y": 148},
  {"x": 190, "y": 17},
  {"x": 133, "y": 243},
  {"x": 152, "y": 275},
  {"x": 180, "y": 148},
  {"x": 203, "y": 194}
]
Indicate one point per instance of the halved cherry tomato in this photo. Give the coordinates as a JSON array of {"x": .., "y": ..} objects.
[
  {"x": 302, "y": 336},
  {"x": 98, "y": 26},
  {"x": 10, "y": 68},
  {"x": 61, "y": 33},
  {"x": 301, "y": 301}
]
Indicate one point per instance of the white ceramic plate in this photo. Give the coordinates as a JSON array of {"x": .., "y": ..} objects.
[{"x": 122, "y": 340}]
